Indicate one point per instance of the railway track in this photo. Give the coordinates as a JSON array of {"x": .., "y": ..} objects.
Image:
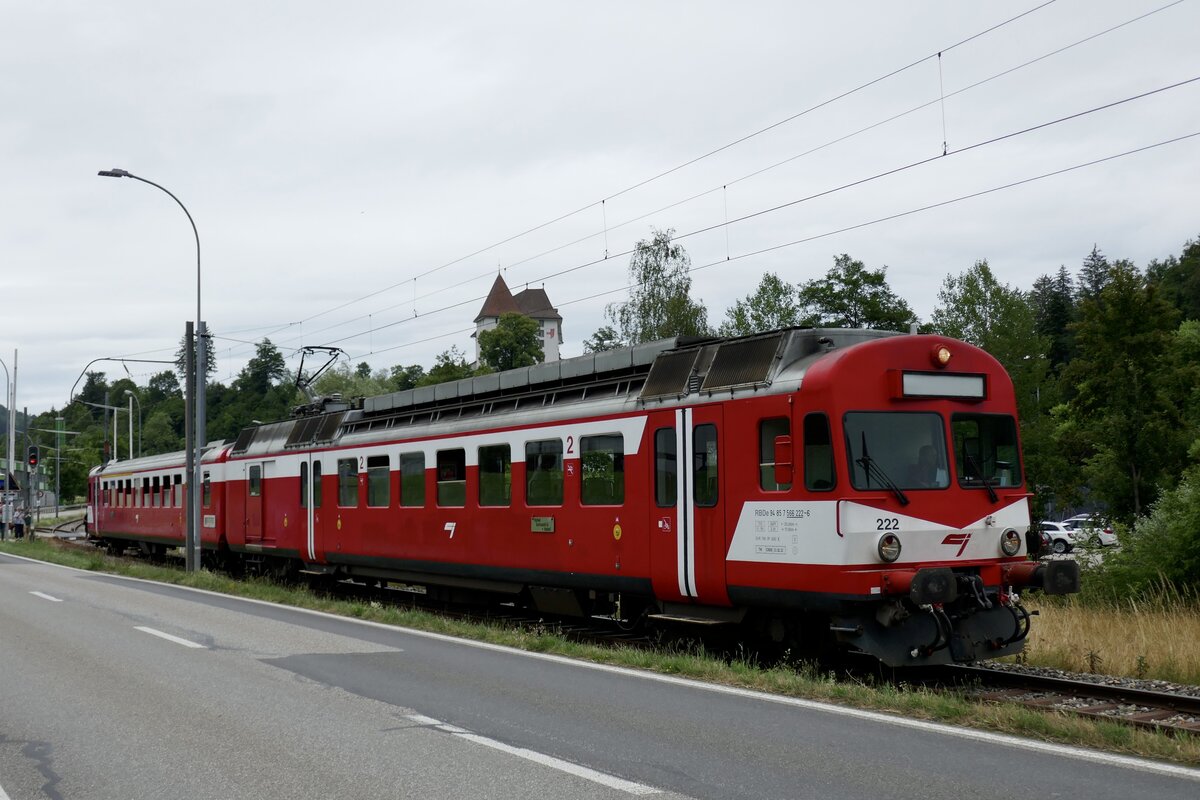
[{"x": 1100, "y": 697}]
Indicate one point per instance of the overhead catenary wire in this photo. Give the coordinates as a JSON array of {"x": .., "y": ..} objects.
[
  {"x": 607, "y": 228},
  {"x": 845, "y": 229},
  {"x": 689, "y": 162},
  {"x": 842, "y": 187}
]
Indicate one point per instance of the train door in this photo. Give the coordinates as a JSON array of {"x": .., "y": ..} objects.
[
  {"x": 256, "y": 487},
  {"x": 310, "y": 502},
  {"x": 688, "y": 527}
]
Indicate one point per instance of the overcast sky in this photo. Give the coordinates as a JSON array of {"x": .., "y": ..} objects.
[{"x": 334, "y": 152}]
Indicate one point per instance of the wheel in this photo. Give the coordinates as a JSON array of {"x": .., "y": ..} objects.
[
  {"x": 1094, "y": 541},
  {"x": 1060, "y": 546}
]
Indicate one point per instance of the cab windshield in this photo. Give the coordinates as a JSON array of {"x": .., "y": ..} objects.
[
  {"x": 907, "y": 449},
  {"x": 985, "y": 450}
]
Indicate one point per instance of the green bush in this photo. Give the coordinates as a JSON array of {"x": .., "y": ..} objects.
[{"x": 1161, "y": 550}]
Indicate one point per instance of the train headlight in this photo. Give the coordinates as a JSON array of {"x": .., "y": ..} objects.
[
  {"x": 940, "y": 355},
  {"x": 1010, "y": 542},
  {"x": 889, "y": 547}
]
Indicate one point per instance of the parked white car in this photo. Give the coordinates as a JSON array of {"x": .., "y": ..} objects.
[
  {"x": 1062, "y": 537},
  {"x": 1092, "y": 530}
]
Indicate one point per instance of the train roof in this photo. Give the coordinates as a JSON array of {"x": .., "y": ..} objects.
[{"x": 673, "y": 371}]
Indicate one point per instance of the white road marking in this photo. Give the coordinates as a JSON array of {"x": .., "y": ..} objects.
[
  {"x": 3, "y": 794},
  {"x": 986, "y": 737},
  {"x": 602, "y": 778},
  {"x": 52, "y": 599},
  {"x": 169, "y": 637}
]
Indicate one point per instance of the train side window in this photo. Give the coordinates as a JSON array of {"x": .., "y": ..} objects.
[
  {"x": 379, "y": 473},
  {"x": 177, "y": 492},
  {"x": 128, "y": 492},
  {"x": 603, "y": 464},
  {"x": 347, "y": 471},
  {"x": 412, "y": 479},
  {"x": 304, "y": 484},
  {"x": 316, "y": 483},
  {"x": 144, "y": 499},
  {"x": 819, "y": 474},
  {"x": 452, "y": 478},
  {"x": 704, "y": 467},
  {"x": 155, "y": 492},
  {"x": 206, "y": 494},
  {"x": 544, "y": 473},
  {"x": 255, "y": 481},
  {"x": 666, "y": 479},
  {"x": 495, "y": 475},
  {"x": 768, "y": 430}
]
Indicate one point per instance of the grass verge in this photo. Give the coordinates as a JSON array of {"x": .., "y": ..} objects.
[{"x": 794, "y": 681}]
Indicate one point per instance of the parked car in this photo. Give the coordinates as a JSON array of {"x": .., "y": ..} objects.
[
  {"x": 1091, "y": 529},
  {"x": 1062, "y": 538}
]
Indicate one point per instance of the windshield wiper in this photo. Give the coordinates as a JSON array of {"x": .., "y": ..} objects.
[
  {"x": 972, "y": 464},
  {"x": 871, "y": 468}
]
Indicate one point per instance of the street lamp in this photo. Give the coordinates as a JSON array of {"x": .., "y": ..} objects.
[
  {"x": 132, "y": 399},
  {"x": 199, "y": 375},
  {"x": 10, "y": 401}
]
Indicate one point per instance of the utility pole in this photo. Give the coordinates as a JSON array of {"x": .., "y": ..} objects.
[{"x": 59, "y": 431}]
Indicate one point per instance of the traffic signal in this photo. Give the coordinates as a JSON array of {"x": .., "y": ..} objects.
[{"x": 31, "y": 458}]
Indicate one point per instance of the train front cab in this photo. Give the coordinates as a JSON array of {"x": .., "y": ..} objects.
[{"x": 916, "y": 552}]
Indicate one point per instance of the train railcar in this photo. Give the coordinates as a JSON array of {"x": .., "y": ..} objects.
[{"x": 855, "y": 488}]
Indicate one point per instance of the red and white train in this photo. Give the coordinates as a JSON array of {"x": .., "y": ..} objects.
[{"x": 849, "y": 487}]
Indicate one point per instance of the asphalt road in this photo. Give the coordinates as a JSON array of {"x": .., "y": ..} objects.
[{"x": 112, "y": 688}]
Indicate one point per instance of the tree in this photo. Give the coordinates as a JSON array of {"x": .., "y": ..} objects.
[
  {"x": 512, "y": 343},
  {"x": 1126, "y": 403},
  {"x": 977, "y": 308},
  {"x": 1053, "y": 301},
  {"x": 605, "y": 338},
  {"x": 852, "y": 296},
  {"x": 1093, "y": 275},
  {"x": 357, "y": 382},
  {"x": 450, "y": 365},
  {"x": 773, "y": 305},
  {"x": 181, "y": 358},
  {"x": 659, "y": 304},
  {"x": 1179, "y": 279},
  {"x": 401, "y": 378}
]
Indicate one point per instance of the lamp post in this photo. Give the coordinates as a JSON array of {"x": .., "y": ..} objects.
[
  {"x": 200, "y": 375},
  {"x": 12, "y": 422},
  {"x": 132, "y": 399}
]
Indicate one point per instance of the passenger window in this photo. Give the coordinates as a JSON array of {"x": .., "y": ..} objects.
[
  {"x": 603, "y": 463},
  {"x": 177, "y": 492},
  {"x": 304, "y": 484},
  {"x": 544, "y": 473},
  {"x": 347, "y": 482},
  {"x": 704, "y": 467},
  {"x": 666, "y": 480},
  {"x": 379, "y": 472},
  {"x": 206, "y": 496},
  {"x": 256, "y": 481},
  {"x": 144, "y": 500},
  {"x": 316, "y": 484},
  {"x": 412, "y": 479},
  {"x": 495, "y": 475},
  {"x": 768, "y": 430},
  {"x": 452, "y": 478},
  {"x": 818, "y": 454}
]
